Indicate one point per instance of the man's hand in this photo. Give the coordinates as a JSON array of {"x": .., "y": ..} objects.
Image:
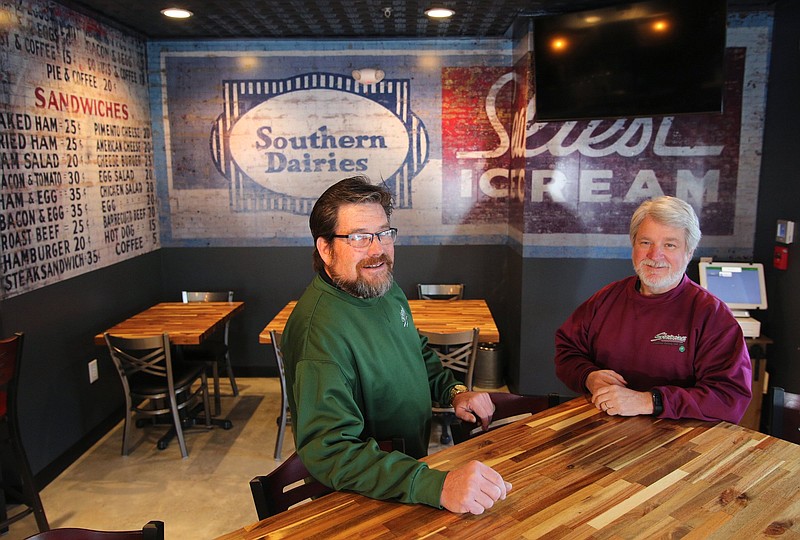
[
  {"x": 621, "y": 401},
  {"x": 604, "y": 377},
  {"x": 470, "y": 406},
  {"x": 473, "y": 488}
]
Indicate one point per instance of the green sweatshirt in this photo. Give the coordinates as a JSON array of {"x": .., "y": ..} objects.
[{"x": 358, "y": 372}]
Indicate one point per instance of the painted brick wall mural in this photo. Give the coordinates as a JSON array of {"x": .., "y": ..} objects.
[
  {"x": 78, "y": 186},
  {"x": 112, "y": 147},
  {"x": 255, "y": 131}
]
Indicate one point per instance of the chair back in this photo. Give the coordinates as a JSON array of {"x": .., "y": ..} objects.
[
  {"x": 285, "y": 418},
  {"x": 206, "y": 296},
  {"x": 783, "y": 417},
  {"x": 144, "y": 355},
  {"x": 440, "y": 291},
  {"x": 275, "y": 492},
  {"x": 508, "y": 408},
  {"x": 456, "y": 350},
  {"x": 154, "y": 530},
  {"x": 24, "y": 491},
  {"x": 210, "y": 296},
  {"x": 275, "y": 337}
]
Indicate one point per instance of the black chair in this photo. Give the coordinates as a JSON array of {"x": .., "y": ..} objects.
[
  {"x": 26, "y": 494},
  {"x": 783, "y": 415},
  {"x": 440, "y": 291},
  {"x": 154, "y": 530},
  {"x": 508, "y": 407},
  {"x": 154, "y": 385},
  {"x": 275, "y": 492},
  {"x": 457, "y": 351},
  {"x": 285, "y": 419},
  {"x": 215, "y": 350}
]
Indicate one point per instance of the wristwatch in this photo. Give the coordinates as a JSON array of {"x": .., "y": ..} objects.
[
  {"x": 658, "y": 403},
  {"x": 457, "y": 389}
]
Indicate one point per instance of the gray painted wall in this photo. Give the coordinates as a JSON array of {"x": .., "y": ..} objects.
[
  {"x": 778, "y": 199},
  {"x": 58, "y": 406}
]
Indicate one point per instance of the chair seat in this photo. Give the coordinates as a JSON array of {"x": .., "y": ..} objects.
[
  {"x": 183, "y": 374},
  {"x": 209, "y": 351},
  {"x": 213, "y": 353}
]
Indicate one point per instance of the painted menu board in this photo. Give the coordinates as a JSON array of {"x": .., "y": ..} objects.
[{"x": 77, "y": 190}]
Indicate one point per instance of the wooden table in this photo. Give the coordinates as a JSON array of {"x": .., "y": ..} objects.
[
  {"x": 429, "y": 315},
  {"x": 579, "y": 473},
  {"x": 186, "y": 323}
]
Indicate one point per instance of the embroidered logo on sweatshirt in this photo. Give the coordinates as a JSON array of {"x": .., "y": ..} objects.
[
  {"x": 403, "y": 317},
  {"x": 663, "y": 338}
]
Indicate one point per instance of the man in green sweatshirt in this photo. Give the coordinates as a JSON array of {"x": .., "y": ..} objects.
[{"x": 358, "y": 371}]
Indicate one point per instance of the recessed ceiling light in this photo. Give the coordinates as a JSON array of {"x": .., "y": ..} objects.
[
  {"x": 439, "y": 12},
  {"x": 177, "y": 13}
]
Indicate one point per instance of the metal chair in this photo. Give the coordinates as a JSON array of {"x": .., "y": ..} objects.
[
  {"x": 27, "y": 494},
  {"x": 277, "y": 492},
  {"x": 434, "y": 291},
  {"x": 214, "y": 351},
  {"x": 285, "y": 418},
  {"x": 154, "y": 530},
  {"x": 154, "y": 385},
  {"x": 783, "y": 416},
  {"x": 457, "y": 352},
  {"x": 508, "y": 407}
]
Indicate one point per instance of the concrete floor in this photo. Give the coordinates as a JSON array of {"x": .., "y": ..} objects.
[{"x": 201, "y": 497}]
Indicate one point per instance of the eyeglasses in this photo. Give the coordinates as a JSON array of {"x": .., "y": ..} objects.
[{"x": 363, "y": 240}]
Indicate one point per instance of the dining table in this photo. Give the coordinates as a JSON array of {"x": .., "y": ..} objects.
[
  {"x": 428, "y": 315},
  {"x": 577, "y": 472},
  {"x": 187, "y": 323}
]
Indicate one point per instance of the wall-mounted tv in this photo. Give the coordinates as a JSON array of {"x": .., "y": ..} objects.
[{"x": 650, "y": 58}]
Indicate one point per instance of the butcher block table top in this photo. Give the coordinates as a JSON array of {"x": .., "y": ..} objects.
[
  {"x": 579, "y": 473},
  {"x": 186, "y": 323},
  {"x": 429, "y": 316}
]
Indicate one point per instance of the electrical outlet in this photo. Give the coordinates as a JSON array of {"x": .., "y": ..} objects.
[{"x": 93, "y": 374}]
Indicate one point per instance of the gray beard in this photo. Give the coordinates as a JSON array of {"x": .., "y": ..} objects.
[
  {"x": 669, "y": 281},
  {"x": 361, "y": 289}
]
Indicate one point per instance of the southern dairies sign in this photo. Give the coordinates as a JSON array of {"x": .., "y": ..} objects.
[{"x": 280, "y": 141}]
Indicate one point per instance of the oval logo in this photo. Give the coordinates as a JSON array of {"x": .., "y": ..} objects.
[{"x": 299, "y": 142}]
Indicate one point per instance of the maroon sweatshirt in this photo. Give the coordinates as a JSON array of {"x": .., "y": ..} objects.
[{"x": 684, "y": 343}]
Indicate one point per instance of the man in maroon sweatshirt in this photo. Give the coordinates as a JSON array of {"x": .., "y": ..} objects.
[{"x": 657, "y": 343}]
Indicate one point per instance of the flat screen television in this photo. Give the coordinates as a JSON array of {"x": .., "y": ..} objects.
[
  {"x": 739, "y": 285},
  {"x": 650, "y": 58}
]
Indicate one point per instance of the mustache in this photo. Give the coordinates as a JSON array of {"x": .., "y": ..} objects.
[
  {"x": 653, "y": 264},
  {"x": 372, "y": 261}
]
